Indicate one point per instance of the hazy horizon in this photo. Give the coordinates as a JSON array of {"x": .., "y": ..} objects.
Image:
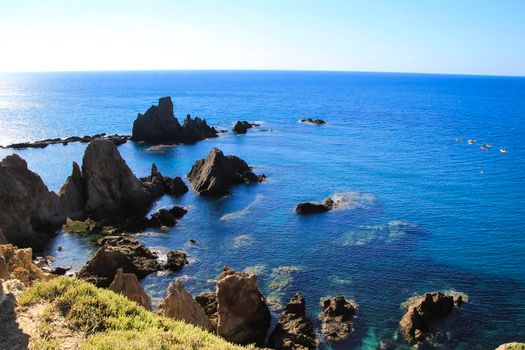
[{"x": 428, "y": 37}]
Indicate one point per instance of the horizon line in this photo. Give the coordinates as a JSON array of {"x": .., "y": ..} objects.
[{"x": 261, "y": 70}]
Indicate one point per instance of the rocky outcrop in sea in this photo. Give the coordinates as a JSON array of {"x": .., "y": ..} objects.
[
  {"x": 241, "y": 127},
  {"x": 159, "y": 125},
  {"x": 159, "y": 185},
  {"x": 116, "y": 139},
  {"x": 217, "y": 173},
  {"x": 312, "y": 121},
  {"x": 337, "y": 318}
]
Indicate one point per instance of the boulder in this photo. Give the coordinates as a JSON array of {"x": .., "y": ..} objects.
[
  {"x": 175, "y": 260},
  {"x": 180, "y": 305},
  {"x": 119, "y": 252},
  {"x": 511, "y": 346},
  {"x": 294, "y": 330},
  {"x": 243, "y": 316},
  {"x": 215, "y": 174},
  {"x": 337, "y": 318},
  {"x": 313, "y": 121},
  {"x": 18, "y": 264},
  {"x": 28, "y": 210},
  {"x": 112, "y": 191},
  {"x": 208, "y": 301},
  {"x": 424, "y": 311},
  {"x": 241, "y": 127},
  {"x": 167, "y": 217},
  {"x": 159, "y": 125},
  {"x": 128, "y": 285},
  {"x": 73, "y": 194}
]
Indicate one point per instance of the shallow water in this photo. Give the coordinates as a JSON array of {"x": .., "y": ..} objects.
[{"x": 431, "y": 213}]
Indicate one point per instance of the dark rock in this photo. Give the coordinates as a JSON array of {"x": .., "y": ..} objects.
[
  {"x": 116, "y": 139},
  {"x": 215, "y": 174},
  {"x": 158, "y": 185},
  {"x": 241, "y": 127},
  {"x": 175, "y": 260},
  {"x": 159, "y": 125},
  {"x": 59, "y": 271},
  {"x": 313, "y": 121},
  {"x": 294, "y": 330},
  {"x": 313, "y": 207},
  {"x": 337, "y": 318},
  {"x": 119, "y": 252},
  {"x": 175, "y": 187},
  {"x": 73, "y": 194},
  {"x": 423, "y": 311},
  {"x": 167, "y": 217},
  {"x": 29, "y": 212},
  {"x": 208, "y": 301},
  {"x": 243, "y": 316}
]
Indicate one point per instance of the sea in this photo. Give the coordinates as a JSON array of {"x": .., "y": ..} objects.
[{"x": 427, "y": 210}]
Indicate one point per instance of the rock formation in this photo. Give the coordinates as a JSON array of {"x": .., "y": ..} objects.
[
  {"x": 511, "y": 346},
  {"x": 313, "y": 207},
  {"x": 18, "y": 264},
  {"x": 423, "y": 311},
  {"x": 208, "y": 301},
  {"x": 241, "y": 127},
  {"x": 313, "y": 121},
  {"x": 116, "y": 139},
  {"x": 73, "y": 194},
  {"x": 159, "y": 125},
  {"x": 167, "y": 217},
  {"x": 28, "y": 210},
  {"x": 243, "y": 316},
  {"x": 128, "y": 285},
  {"x": 175, "y": 260},
  {"x": 158, "y": 185},
  {"x": 294, "y": 330},
  {"x": 337, "y": 318},
  {"x": 119, "y": 252},
  {"x": 2, "y": 294},
  {"x": 180, "y": 305},
  {"x": 215, "y": 174}
]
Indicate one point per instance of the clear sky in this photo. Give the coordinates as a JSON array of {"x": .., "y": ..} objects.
[{"x": 438, "y": 36}]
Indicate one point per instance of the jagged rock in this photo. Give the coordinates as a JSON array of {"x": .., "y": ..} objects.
[
  {"x": 215, "y": 174},
  {"x": 175, "y": 260},
  {"x": 337, "y": 318},
  {"x": 241, "y": 127},
  {"x": 28, "y": 210},
  {"x": 159, "y": 125},
  {"x": 89, "y": 226},
  {"x": 313, "y": 121},
  {"x": 312, "y": 207},
  {"x": 73, "y": 194},
  {"x": 112, "y": 191},
  {"x": 243, "y": 316},
  {"x": 18, "y": 264},
  {"x": 119, "y": 252},
  {"x": 294, "y": 330},
  {"x": 167, "y": 217},
  {"x": 128, "y": 285},
  {"x": 180, "y": 305},
  {"x": 423, "y": 311},
  {"x": 511, "y": 346},
  {"x": 158, "y": 185},
  {"x": 208, "y": 301},
  {"x": 116, "y": 139}
]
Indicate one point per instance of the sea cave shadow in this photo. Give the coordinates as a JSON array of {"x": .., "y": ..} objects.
[{"x": 11, "y": 336}]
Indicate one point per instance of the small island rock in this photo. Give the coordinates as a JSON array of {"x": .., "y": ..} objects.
[{"x": 337, "y": 318}]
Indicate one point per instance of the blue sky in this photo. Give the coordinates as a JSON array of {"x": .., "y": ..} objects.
[{"x": 439, "y": 36}]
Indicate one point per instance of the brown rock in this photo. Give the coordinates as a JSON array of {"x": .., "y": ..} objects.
[
  {"x": 511, "y": 346},
  {"x": 180, "y": 305},
  {"x": 175, "y": 260},
  {"x": 215, "y": 174},
  {"x": 28, "y": 210},
  {"x": 128, "y": 285},
  {"x": 243, "y": 316},
  {"x": 18, "y": 264},
  {"x": 294, "y": 331},
  {"x": 208, "y": 301},
  {"x": 337, "y": 318},
  {"x": 423, "y": 311}
]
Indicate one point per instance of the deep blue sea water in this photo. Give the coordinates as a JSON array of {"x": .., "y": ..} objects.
[{"x": 389, "y": 141}]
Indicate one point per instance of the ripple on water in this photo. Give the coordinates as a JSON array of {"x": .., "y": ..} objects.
[
  {"x": 242, "y": 212},
  {"x": 279, "y": 282},
  {"x": 366, "y": 234}
]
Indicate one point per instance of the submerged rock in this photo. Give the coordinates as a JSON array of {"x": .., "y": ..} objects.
[
  {"x": 18, "y": 264},
  {"x": 119, "y": 252},
  {"x": 215, "y": 174},
  {"x": 294, "y": 330},
  {"x": 128, "y": 285},
  {"x": 29, "y": 212},
  {"x": 313, "y": 121},
  {"x": 159, "y": 125},
  {"x": 180, "y": 305},
  {"x": 175, "y": 260},
  {"x": 243, "y": 316},
  {"x": 337, "y": 318},
  {"x": 424, "y": 311}
]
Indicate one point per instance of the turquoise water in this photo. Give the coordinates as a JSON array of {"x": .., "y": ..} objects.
[{"x": 390, "y": 138}]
